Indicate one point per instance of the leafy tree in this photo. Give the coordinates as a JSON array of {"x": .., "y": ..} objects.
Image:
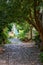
[{"x": 20, "y": 11}]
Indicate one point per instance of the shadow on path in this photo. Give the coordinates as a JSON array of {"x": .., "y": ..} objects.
[{"x": 20, "y": 54}]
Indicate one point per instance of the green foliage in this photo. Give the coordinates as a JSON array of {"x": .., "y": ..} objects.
[
  {"x": 23, "y": 28},
  {"x": 10, "y": 26},
  {"x": 41, "y": 57},
  {"x": 4, "y": 36},
  {"x": 35, "y": 32},
  {"x": 37, "y": 39},
  {"x": 21, "y": 35},
  {"x": 15, "y": 11},
  {"x": 5, "y": 33}
]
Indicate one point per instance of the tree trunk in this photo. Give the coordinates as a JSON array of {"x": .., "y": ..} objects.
[
  {"x": 31, "y": 31},
  {"x": 41, "y": 44}
]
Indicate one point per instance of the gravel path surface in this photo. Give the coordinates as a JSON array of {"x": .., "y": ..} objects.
[{"x": 20, "y": 54}]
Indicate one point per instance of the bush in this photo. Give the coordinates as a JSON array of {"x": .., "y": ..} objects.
[
  {"x": 37, "y": 40},
  {"x": 4, "y": 36},
  {"x": 21, "y": 36},
  {"x": 41, "y": 57}
]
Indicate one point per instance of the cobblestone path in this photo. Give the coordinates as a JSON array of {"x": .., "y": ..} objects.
[{"x": 20, "y": 54}]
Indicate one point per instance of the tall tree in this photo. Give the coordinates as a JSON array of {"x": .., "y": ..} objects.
[{"x": 19, "y": 11}]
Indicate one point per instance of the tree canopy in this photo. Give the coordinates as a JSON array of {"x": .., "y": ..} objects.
[{"x": 20, "y": 11}]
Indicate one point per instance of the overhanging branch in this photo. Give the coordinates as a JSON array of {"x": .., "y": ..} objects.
[{"x": 31, "y": 22}]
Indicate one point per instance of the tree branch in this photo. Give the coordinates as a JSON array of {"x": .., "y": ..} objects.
[
  {"x": 31, "y": 22},
  {"x": 36, "y": 12}
]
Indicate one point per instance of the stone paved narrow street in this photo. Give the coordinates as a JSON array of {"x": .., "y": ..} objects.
[{"x": 20, "y": 54}]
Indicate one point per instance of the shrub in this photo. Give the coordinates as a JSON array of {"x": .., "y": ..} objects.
[
  {"x": 41, "y": 57},
  {"x": 21, "y": 36},
  {"x": 37, "y": 40},
  {"x": 4, "y": 36}
]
